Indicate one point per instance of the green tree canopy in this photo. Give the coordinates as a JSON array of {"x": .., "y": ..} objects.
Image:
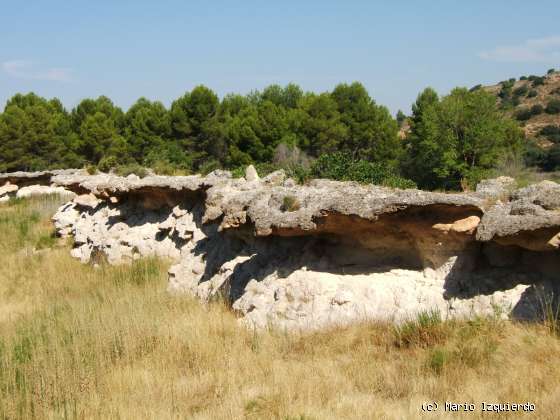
[
  {"x": 458, "y": 138},
  {"x": 100, "y": 137},
  {"x": 103, "y": 105},
  {"x": 321, "y": 127},
  {"x": 372, "y": 132},
  {"x": 148, "y": 127},
  {"x": 35, "y": 134}
]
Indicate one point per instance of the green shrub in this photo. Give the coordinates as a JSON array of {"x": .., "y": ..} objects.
[
  {"x": 551, "y": 132},
  {"x": 532, "y": 93},
  {"x": 552, "y": 160},
  {"x": 553, "y": 106},
  {"x": 91, "y": 169},
  {"x": 476, "y": 87},
  {"x": 164, "y": 167},
  {"x": 133, "y": 168},
  {"x": 168, "y": 159},
  {"x": 534, "y": 155},
  {"x": 438, "y": 359},
  {"x": 209, "y": 166},
  {"x": 399, "y": 182},
  {"x": 537, "y": 109},
  {"x": 523, "y": 78},
  {"x": 523, "y": 114},
  {"x": 521, "y": 91},
  {"x": 332, "y": 166},
  {"x": 550, "y": 129},
  {"x": 426, "y": 330},
  {"x": 265, "y": 168},
  {"x": 341, "y": 167},
  {"x": 473, "y": 176},
  {"x": 550, "y": 71},
  {"x": 107, "y": 163},
  {"x": 367, "y": 172},
  {"x": 161, "y": 167},
  {"x": 507, "y": 84},
  {"x": 238, "y": 172},
  {"x": 538, "y": 81},
  {"x": 45, "y": 241},
  {"x": 299, "y": 173},
  {"x": 505, "y": 93}
]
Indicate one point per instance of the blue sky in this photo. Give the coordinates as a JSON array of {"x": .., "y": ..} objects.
[{"x": 128, "y": 49}]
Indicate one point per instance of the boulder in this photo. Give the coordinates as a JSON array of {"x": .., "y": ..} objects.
[
  {"x": 88, "y": 201},
  {"x": 467, "y": 225},
  {"x": 8, "y": 188},
  {"x": 275, "y": 178},
  {"x": 251, "y": 174},
  {"x": 497, "y": 188}
]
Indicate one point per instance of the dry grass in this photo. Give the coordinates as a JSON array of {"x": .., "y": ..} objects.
[{"x": 79, "y": 342}]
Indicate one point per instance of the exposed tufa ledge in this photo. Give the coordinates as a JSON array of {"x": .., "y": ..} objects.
[
  {"x": 532, "y": 211},
  {"x": 28, "y": 184},
  {"x": 23, "y": 179}
]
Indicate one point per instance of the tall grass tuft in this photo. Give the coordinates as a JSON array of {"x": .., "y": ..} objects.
[{"x": 426, "y": 330}]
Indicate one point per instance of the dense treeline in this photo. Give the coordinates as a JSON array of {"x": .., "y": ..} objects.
[{"x": 451, "y": 139}]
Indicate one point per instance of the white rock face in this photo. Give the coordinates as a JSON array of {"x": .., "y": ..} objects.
[
  {"x": 311, "y": 299},
  {"x": 119, "y": 233},
  {"x": 347, "y": 253},
  {"x": 7, "y": 188},
  {"x": 38, "y": 190},
  {"x": 10, "y": 190},
  {"x": 28, "y": 184},
  {"x": 65, "y": 219}
]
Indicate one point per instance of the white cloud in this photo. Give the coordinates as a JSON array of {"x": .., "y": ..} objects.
[
  {"x": 540, "y": 49},
  {"x": 23, "y": 69}
]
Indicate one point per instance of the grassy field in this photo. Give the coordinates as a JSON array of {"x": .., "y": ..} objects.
[{"x": 109, "y": 342}]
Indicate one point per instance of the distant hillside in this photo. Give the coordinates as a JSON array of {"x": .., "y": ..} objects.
[{"x": 535, "y": 102}]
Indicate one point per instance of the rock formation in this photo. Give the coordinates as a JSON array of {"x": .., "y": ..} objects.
[{"x": 327, "y": 252}]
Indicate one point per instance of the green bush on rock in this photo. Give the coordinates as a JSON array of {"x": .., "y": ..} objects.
[{"x": 341, "y": 167}]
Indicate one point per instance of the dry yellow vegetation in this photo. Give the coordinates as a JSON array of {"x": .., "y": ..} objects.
[{"x": 110, "y": 342}]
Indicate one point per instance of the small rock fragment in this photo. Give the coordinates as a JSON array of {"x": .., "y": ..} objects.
[{"x": 87, "y": 200}]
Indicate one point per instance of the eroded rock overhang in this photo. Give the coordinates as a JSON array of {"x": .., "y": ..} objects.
[
  {"x": 526, "y": 216},
  {"x": 325, "y": 252}
]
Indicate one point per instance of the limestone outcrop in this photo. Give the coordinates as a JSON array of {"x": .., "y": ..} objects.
[{"x": 306, "y": 256}]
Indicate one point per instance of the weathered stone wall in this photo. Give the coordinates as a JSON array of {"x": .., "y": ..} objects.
[{"x": 327, "y": 252}]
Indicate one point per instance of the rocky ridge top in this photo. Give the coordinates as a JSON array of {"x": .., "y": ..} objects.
[{"x": 505, "y": 211}]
